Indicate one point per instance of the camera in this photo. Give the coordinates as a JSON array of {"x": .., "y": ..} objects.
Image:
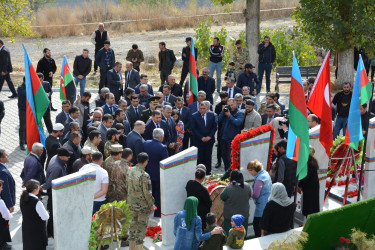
[
  {"x": 227, "y": 108},
  {"x": 284, "y": 121}
]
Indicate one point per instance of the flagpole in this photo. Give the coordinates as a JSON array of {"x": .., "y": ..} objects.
[{"x": 364, "y": 146}]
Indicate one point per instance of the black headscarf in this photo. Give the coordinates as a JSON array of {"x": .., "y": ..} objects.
[{"x": 236, "y": 178}]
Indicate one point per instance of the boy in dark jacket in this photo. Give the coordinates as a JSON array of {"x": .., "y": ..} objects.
[
  {"x": 237, "y": 233},
  {"x": 217, "y": 241}
]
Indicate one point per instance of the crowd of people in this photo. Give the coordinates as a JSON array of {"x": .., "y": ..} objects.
[{"x": 133, "y": 127}]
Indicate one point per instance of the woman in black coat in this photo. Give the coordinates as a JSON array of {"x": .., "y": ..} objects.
[
  {"x": 195, "y": 188},
  {"x": 34, "y": 215},
  {"x": 310, "y": 187}
]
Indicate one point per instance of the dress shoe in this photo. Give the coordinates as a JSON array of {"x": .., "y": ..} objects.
[
  {"x": 13, "y": 96},
  {"x": 6, "y": 247},
  {"x": 22, "y": 147},
  {"x": 218, "y": 165},
  {"x": 53, "y": 109}
]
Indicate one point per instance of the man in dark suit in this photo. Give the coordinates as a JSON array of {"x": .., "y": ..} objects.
[
  {"x": 110, "y": 106},
  {"x": 115, "y": 82},
  {"x": 106, "y": 124},
  {"x": 207, "y": 84},
  {"x": 100, "y": 100},
  {"x": 230, "y": 88},
  {"x": 176, "y": 89},
  {"x": 64, "y": 114},
  {"x": 21, "y": 104},
  {"x": 135, "y": 141},
  {"x": 194, "y": 107},
  {"x": 134, "y": 111},
  {"x": 144, "y": 96},
  {"x": 8, "y": 195},
  {"x": 186, "y": 59},
  {"x": 105, "y": 58},
  {"x": 5, "y": 69},
  {"x": 52, "y": 141},
  {"x": 144, "y": 80},
  {"x": 204, "y": 126},
  {"x": 131, "y": 76},
  {"x": 185, "y": 118},
  {"x": 157, "y": 152},
  {"x": 156, "y": 122},
  {"x": 120, "y": 118},
  {"x": 73, "y": 117},
  {"x": 172, "y": 132},
  {"x": 270, "y": 114},
  {"x": 168, "y": 97}
]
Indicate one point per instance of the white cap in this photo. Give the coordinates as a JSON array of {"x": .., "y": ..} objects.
[
  {"x": 86, "y": 151},
  {"x": 58, "y": 127}
]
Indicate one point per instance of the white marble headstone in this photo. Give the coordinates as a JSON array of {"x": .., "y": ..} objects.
[
  {"x": 73, "y": 199},
  {"x": 369, "y": 189},
  {"x": 322, "y": 158},
  {"x": 175, "y": 172}
]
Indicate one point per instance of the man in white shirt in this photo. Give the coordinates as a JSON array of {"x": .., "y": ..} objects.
[{"x": 101, "y": 182}]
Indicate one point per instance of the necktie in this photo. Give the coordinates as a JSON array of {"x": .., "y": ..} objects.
[
  {"x": 129, "y": 74},
  {"x": 157, "y": 125},
  {"x": 67, "y": 116},
  {"x": 230, "y": 93},
  {"x": 204, "y": 120},
  {"x": 136, "y": 113}
]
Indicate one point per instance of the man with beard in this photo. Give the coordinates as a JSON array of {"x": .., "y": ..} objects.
[
  {"x": 47, "y": 67},
  {"x": 113, "y": 136},
  {"x": 252, "y": 118},
  {"x": 120, "y": 119},
  {"x": 342, "y": 101}
]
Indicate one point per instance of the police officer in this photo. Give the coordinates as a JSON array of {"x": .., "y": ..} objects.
[
  {"x": 240, "y": 58},
  {"x": 140, "y": 201}
]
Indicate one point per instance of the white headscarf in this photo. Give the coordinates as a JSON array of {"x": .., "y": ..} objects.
[{"x": 279, "y": 195}]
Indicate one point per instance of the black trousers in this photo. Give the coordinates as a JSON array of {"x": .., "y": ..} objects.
[
  {"x": 137, "y": 68},
  {"x": 50, "y": 210},
  {"x": 185, "y": 141},
  {"x": 155, "y": 185},
  {"x": 103, "y": 78},
  {"x": 95, "y": 65},
  {"x": 256, "y": 225},
  {"x": 226, "y": 151},
  {"x": 218, "y": 152},
  {"x": 164, "y": 73},
  {"x": 22, "y": 129},
  {"x": 9, "y": 82},
  {"x": 205, "y": 155},
  {"x": 47, "y": 120},
  {"x": 184, "y": 73}
]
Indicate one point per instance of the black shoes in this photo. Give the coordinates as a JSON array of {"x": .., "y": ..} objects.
[
  {"x": 13, "y": 96},
  {"x": 53, "y": 109},
  {"x": 22, "y": 147},
  {"x": 6, "y": 247},
  {"x": 218, "y": 165}
]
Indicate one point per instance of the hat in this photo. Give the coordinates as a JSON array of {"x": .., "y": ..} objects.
[
  {"x": 116, "y": 148},
  {"x": 188, "y": 39},
  {"x": 238, "y": 42},
  {"x": 107, "y": 42},
  {"x": 249, "y": 65},
  {"x": 86, "y": 150},
  {"x": 238, "y": 219},
  {"x": 113, "y": 131},
  {"x": 201, "y": 166},
  {"x": 58, "y": 127},
  {"x": 154, "y": 99},
  {"x": 63, "y": 152}
]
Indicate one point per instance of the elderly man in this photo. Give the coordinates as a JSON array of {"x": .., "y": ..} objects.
[
  {"x": 106, "y": 124},
  {"x": 32, "y": 168},
  {"x": 135, "y": 56},
  {"x": 115, "y": 82},
  {"x": 73, "y": 126},
  {"x": 105, "y": 58},
  {"x": 144, "y": 96},
  {"x": 238, "y": 98},
  {"x": 312, "y": 121},
  {"x": 144, "y": 80},
  {"x": 100, "y": 101},
  {"x": 135, "y": 141},
  {"x": 74, "y": 146},
  {"x": 176, "y": 89},
  {"x": 230, "y": 88},
  {"x": 85, "y": 159},
  {"x": 252, "y": 117},
  {"x": 131, "y": 76},
  {"x": 207, "y": 84},
  {"x": 52, "y": 142},
  {"x": 98, "y": 38},
  {"x": 8, "y": 195},
  {"x": 110, "y": 106},
  {"x": 194, "y": 107},
  {"x": 93, "y": 141},
  {"x": 96, "y": 117},
  {"x": 156, "y": 152}
]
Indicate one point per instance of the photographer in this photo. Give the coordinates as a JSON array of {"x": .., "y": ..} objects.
[
  {"x": 231, "y": 119},
  {"x": 218, "y": 108},
  {"x": 281, "y": 126}
]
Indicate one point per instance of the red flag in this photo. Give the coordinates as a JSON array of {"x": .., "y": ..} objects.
[{"x": 319, "y": 103}]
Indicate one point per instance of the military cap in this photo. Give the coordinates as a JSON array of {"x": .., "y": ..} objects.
[{"x": 116, "y": 148}]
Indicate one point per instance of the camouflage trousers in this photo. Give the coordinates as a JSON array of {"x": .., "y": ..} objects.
[{"x": 138, "y": 228}]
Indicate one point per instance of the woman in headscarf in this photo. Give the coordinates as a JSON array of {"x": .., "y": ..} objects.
[
  {"x": 236, "y": 199},
  {"x": 310, "y": 186},
  {"x": 188, "y": 227},
  {"x": 261, "y": 191},
  {"x": 278, "y": 213}
]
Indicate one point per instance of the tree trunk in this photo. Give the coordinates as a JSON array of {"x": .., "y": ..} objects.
[
  {"x": 346, "y": 67},
  {"x": 252, "y": 13}
]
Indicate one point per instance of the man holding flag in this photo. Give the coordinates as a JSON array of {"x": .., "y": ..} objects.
[{"x": 186, "y": 59}]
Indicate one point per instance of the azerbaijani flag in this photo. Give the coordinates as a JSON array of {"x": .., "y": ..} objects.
[
  {"x": 36, "y": 105},
  {"x": 193, "y": 82},
  {"x": 361, "y": 94},
  {"x": 298, "y": 135},
  {"x": 67, "y": 85}
]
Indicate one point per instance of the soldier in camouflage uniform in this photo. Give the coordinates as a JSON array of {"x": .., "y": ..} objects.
[
  {"x": 126, "y": 158},
  {"x": 146, "y": 114},
  {"x": 117, "y": 175},
  {"x": 140, "y": 201},
  {"x": 241, "y": 56},
  {"x": 113, "y": 136},
  {"x": 94, "y": 139},
  {"x": 269, "y": 100}
]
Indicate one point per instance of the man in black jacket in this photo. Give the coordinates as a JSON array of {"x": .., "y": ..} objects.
[
  {"x": 186, "y": 59},
  {"x": 267, "y": 56},
  {"x": 47, "y": 67},
  {"x": 98, "y": 38},
  {"x": 115, "y": 81},
  {"x": 21, "y": 90},
  {"x": 5, "y": 69},
  {"x": 81, "y": 68},
  {"x": 166, "y": 62},
  {"x": 106, "y": 61}
]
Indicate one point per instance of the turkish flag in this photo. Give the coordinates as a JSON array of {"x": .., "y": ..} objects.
[{"x": 319, "y": 103}]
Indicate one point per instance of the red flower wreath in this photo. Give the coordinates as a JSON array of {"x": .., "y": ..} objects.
[{"x": 247, "y": 135}]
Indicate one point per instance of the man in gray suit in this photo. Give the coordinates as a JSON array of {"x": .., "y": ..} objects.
[
  {"x": 106, "y": 124},
  {"x": 131, "y": 76}
]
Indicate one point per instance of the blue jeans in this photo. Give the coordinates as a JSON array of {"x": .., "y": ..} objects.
[
  {"x": 82, "y": 84},
  {"x": 97, "y": 205},
  {"x": 339, "y": 124},
  {"x": 261, "y": 68},
  {"x": 218, "y": 67}
]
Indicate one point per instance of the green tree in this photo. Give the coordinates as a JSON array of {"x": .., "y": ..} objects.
[
  {"x": 15, "y": 18},
  {"x": 338, "y": 25},
  {"x": 202, "y": 42}
]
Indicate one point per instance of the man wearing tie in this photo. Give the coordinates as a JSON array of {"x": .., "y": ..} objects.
[
  {"x": 134, "y": 110},
  {"x": 185, "y": 118},
  {"x": 270, "y": 114},
  {"x": 156, "y": 122},
  {"x": 109, "y": 107},
  {"x": 64, "y": 114},
  {"x": 131, "y": 76},
  {"x": 231, "y": 89},
  {"x": 204, "y": 126},
  {"x": 115, "y": 82},
  {"x": 168, "y": 97}
]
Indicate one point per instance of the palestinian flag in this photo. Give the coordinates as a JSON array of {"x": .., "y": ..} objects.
[
  {"x": 67, "y": 85},
  {"x": 37, "y": 103},
  {"x": 193, "y": 79}
]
